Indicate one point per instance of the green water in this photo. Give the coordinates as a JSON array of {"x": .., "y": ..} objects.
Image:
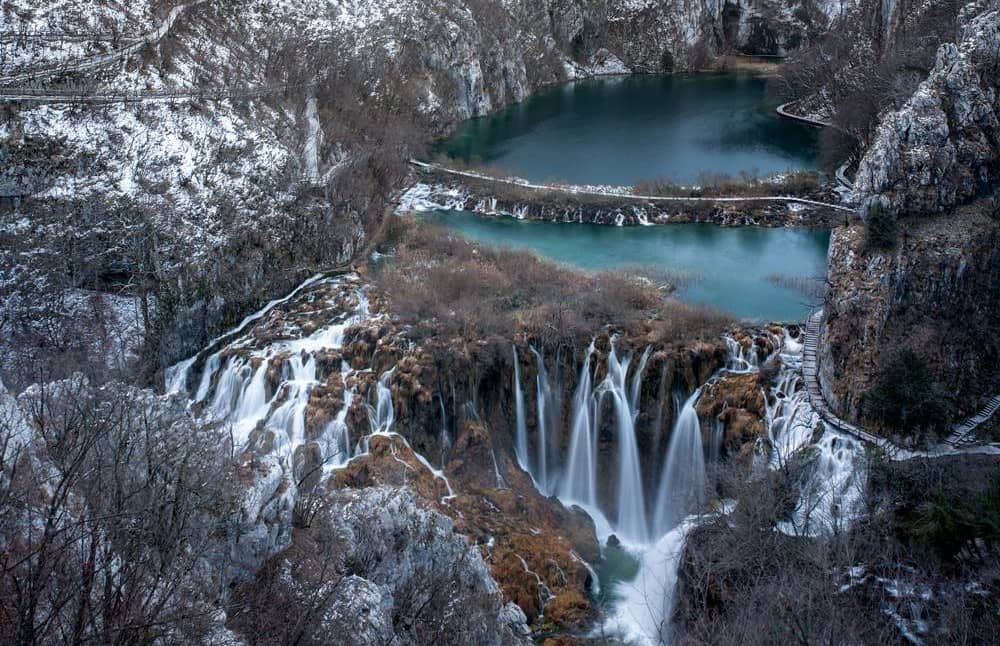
[
  {"x": 624, "y": 130},
  {"x": 728, "y": 268}
]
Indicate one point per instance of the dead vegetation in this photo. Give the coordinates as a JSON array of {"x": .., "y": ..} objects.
[{"x": 440, "y": 283}]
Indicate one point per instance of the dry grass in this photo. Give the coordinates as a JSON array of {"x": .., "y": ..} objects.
[
  {"x": 441, "y": 283},
  {"x": 743, "y": 185}
]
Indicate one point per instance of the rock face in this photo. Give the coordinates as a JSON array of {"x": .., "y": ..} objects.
[
  {"x": 940, "y": 149},
  {"x": 374, "y": 565},
  {"x": 936, "y": 293}
]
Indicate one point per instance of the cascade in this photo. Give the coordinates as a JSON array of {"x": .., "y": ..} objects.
[
  {"x": 635, "y": 390},
  {"x": 176, "y": 377},
  {"x": 579, "y": 483},
  {"x": 521, "y": 435},
  {"x": 445, "y": 437},
  {"x": 235, "y": 388},
  {"x": 382, "y": 414},
  {"x": 630, "y": 498},
  {"x": 337, "y": 433},
  {"x": 544, "y": 407},
  {"x": 740, "y": 359},
  {"x": 683, "y": 481},
  {"x": 253, "y": 402}
]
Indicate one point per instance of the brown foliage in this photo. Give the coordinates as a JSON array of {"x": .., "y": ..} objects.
[{"x": 442, "y": 284}]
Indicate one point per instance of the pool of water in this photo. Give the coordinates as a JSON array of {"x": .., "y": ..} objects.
[
  {"x": 731, "y": 269},
  {"x": 623, "y": 130}
]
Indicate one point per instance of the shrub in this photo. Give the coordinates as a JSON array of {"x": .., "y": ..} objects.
[
  {"x": 667, "y": 61},
  {"x": 443, "y": 284},
  {"x": 882, "y": 230},
  {"x": 907, "y": 398}
]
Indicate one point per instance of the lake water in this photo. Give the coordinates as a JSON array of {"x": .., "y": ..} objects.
[
  {"x": 623, "y": 130},
  {"x": 731, "y": 269}
]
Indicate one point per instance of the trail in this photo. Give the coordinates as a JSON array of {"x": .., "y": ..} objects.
[
  {"x": 571, "y": 190},
  {"x": 960, "y": 440},
  {"x": 117, "y": 56}
]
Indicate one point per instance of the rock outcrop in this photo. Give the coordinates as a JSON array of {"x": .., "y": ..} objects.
[
  {"x": 375, "y": 566},
  {"x": 936, "y": 293},
  {"x": 940, "y": 149}
]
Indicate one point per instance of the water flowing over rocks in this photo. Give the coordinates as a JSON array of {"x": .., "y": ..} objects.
[{"x": 608, "y": 205}]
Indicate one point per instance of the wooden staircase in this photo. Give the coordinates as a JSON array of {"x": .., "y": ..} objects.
[{"x": 962, "y": 435}]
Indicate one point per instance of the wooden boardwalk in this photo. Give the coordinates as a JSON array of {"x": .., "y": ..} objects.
[
  {"x": 810, "y": 370},
  {"x": 962, "y": 435},
  {"x": 621, "y": 195}
]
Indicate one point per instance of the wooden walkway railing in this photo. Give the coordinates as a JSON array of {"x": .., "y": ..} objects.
[
  {"x": 810, "y": 370},
  {"x": 573, "y": 190},
  {"x": 962, "y": 435}
]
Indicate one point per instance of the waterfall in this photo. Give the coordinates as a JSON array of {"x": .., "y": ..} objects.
[
  {"x": 234, "y": 387},
  {"x": 635, "y": 390},
  {"x": 544, "y": 407},
  {"x": 253, "y": 401},
  {"x": 740, "y": 359},
  {"x": 176, "y": 377},
  {"x": 683, "y": 480},
  {"x": 445, "y": 437},
  {"x": 337, "y": 449},
  {"x": 579, "y": 482},
  {"x": 382, "y": 415},
  {"x": 833, "y": 486},
  {"x": 521, "y": 435},
  {"x": 630, "y": 498}
]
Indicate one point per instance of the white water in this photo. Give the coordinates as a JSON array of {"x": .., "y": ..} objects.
[
  {"x": 832, "y": 490},
  {"x": 544, "y": 404},
  {"x": 234, "y": 388},
  {"x": 683, "y": 484},
  {"x": 580, "y": 481},
  {"x": 382, "y": 414},
  {"x": 642, "y": 616},
  {"x": 830, "y": 497},
  {"x": 521, "y": 435}
]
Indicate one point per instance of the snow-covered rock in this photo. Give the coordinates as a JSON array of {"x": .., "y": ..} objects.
[{"x": 940, "y": 148}]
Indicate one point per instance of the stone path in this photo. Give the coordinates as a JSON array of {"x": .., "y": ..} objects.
[{"x": 962, "y": 435}]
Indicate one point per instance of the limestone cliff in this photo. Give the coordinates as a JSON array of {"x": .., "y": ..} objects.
[
  {"x": 940, "y": 148},
  {"x": 936, "y": 293}
]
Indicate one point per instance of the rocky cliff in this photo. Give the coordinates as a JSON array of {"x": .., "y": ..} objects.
[
  {"x": 935, "y": 293},
  {"x": 940, "y": 148}
]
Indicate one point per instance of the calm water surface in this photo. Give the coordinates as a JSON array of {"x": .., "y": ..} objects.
[
  {"x": 624, "y": 130},
  {"x": 729, "y": 268}
]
